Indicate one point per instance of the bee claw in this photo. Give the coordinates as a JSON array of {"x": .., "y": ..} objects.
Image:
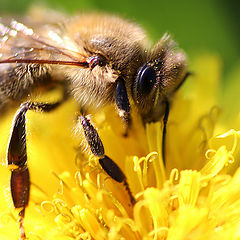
[{"x": 21, "y": 224}]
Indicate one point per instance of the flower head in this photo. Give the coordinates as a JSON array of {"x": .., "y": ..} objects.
[{"x": 73, "y": 198}]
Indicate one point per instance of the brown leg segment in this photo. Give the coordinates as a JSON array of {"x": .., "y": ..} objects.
[{"x": 17, "y": 158}]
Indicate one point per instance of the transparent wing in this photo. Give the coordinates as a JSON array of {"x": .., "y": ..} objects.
[
  {"x": 21, "y": 44},
  {"x": 26, "y": 57}
]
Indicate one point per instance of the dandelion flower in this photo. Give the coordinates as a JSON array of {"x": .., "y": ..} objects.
[{"x": 196, "y": 196}]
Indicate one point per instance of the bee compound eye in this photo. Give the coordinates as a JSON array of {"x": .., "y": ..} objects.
[{"x": 146, "y": 80}]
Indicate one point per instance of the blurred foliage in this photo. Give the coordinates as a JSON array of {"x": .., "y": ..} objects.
[{"x": 198, "y": 26}]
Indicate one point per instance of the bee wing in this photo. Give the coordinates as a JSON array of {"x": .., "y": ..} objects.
[{"x": 21, "y": 44}]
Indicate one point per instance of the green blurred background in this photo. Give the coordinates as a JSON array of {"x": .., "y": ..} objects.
[{"x": 210, "y": 26}]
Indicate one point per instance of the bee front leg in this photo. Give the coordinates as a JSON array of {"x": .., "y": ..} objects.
[
  {"x": 164, "y": 132},
  {"x": 108, "y": 165},
  {"x": 17, "y": 158},
  {"x": 123, "y": 104}
]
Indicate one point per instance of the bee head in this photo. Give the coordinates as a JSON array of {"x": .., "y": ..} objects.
[{"x": 158, "y": 79}]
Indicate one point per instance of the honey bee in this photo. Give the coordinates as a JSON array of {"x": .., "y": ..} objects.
[{"x": 97, "y": 59}]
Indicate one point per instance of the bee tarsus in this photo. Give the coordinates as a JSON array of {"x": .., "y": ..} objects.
[{"x": 108, "y": 165}]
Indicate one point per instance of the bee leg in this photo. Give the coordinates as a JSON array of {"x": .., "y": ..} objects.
[
  {"x": 17, "y": 158},
  {"x": 165, "y": 119},
  {"x": 123, "y": 104},
  {"x": 108, "y": 165}
]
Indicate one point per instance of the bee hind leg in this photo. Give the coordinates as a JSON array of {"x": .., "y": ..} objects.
[
  {"x": 123, "y": 104},
  {"x": 108, "y": 165},
  {"x": 17, "y": 158}
]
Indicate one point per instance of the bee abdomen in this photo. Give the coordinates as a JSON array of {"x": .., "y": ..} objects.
[{"x": 17, "y": 81}]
